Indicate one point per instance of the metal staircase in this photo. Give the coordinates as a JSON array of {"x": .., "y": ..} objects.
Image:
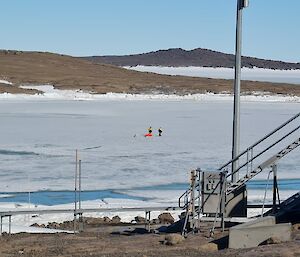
[
  {"x": 265, "y": 155},
  {"x": 260, "y": 156},
  {"x": 261, "y": 167}
]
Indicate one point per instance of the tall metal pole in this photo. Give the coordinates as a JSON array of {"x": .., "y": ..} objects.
[
  {"x": 75, "y": 190},
  {"x": 79, "y": 186},
  {"x": 275, "y": 187},
  {"x": 237, "y": 85},
  {"x": 79, "y": 197}
]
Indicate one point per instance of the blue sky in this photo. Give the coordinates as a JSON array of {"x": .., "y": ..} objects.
[{"x": 271, "y": 28}]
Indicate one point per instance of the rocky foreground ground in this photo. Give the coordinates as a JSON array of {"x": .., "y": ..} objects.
[{"x": 107, "y": 237}]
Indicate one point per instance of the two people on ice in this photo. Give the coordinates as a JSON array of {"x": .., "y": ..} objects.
[{"x": 150, "y": 130}]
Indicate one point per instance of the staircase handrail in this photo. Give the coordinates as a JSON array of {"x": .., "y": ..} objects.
[
  {"x": 262, "y": 152},
  {"x": 185, "y": 194},
  {"x": 261, "y": 140},
  {"x": 267, "y": 163}
]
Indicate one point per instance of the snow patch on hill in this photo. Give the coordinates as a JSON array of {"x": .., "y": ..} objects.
[{"x": 255, "y": 74}]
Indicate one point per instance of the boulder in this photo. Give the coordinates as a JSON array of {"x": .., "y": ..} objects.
[
  {"x": 67, "y": 224},
  {"x": 209, "y": 247},
  {"x": 35, "y": 225},
  {"x": 296, "y": 226},
  {"x": 53, "y": 225},
  {"x": 139, "y": 219},
  {"x": 166, "y": 218},
  {"x": 116, "y": 220},
  {"x": 91, "y": 221},
  {"x": 106, "y": 220},
  {"x": 173, "y": 239}
]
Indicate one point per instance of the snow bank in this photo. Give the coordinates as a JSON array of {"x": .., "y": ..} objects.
[
  {"x": 255, "y": 74},
  {"x": 3, "y": 81},
  {"x": 50, "y": 93}
]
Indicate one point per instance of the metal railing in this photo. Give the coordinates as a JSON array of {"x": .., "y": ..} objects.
[{"x": 249, "y": 154}]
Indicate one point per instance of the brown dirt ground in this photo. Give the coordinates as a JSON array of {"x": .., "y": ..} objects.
[
  {"x": 104, "y": 243},
  {"x": 68, "y": 72}
]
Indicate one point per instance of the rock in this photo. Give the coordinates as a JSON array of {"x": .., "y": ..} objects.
[
  {"x": 166, "y": 218},
  {"x": 139, "y": 219},
  {"x": 106, "y": 219},
  {"x": 209, "y": 247},
  {"x": 155, "y": 221},
  {"x": 67, "y": 224},
  {"x": 173, "y": 239},
  {"x": 38, "y": 225},
  {"x": 97, "y": 221},
  {"x": 116, "y": 220},
  {"x": 296, "y": 226},
  {"x": 90, "y": 221},
  {"x": 271, "y": 240},
  {"x": 35, "y": 225},
  {"x": 53, "y": 225}
]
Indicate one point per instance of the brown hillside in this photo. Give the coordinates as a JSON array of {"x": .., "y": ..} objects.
[{"x": 76, "y": 73}]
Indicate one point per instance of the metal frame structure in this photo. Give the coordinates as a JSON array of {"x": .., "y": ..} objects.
[{"x": 227, "y": 191}]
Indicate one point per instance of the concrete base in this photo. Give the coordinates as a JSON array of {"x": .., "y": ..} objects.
[
  {"x": 253, "y": 233},
  {"x": 236, "y": 203}
]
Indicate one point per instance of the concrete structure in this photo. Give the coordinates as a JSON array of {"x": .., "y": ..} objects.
[{"x": 253, "y": 233}]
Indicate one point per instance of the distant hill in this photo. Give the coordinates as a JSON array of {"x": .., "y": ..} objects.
[
  {"x": 199, "y": 57},
  {"x": 67, "y": 72}
]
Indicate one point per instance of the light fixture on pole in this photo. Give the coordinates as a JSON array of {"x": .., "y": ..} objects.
[{"x": 241, "y": 4}]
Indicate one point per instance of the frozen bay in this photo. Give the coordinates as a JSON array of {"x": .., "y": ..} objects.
[{"x": 39, "y": 138}]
